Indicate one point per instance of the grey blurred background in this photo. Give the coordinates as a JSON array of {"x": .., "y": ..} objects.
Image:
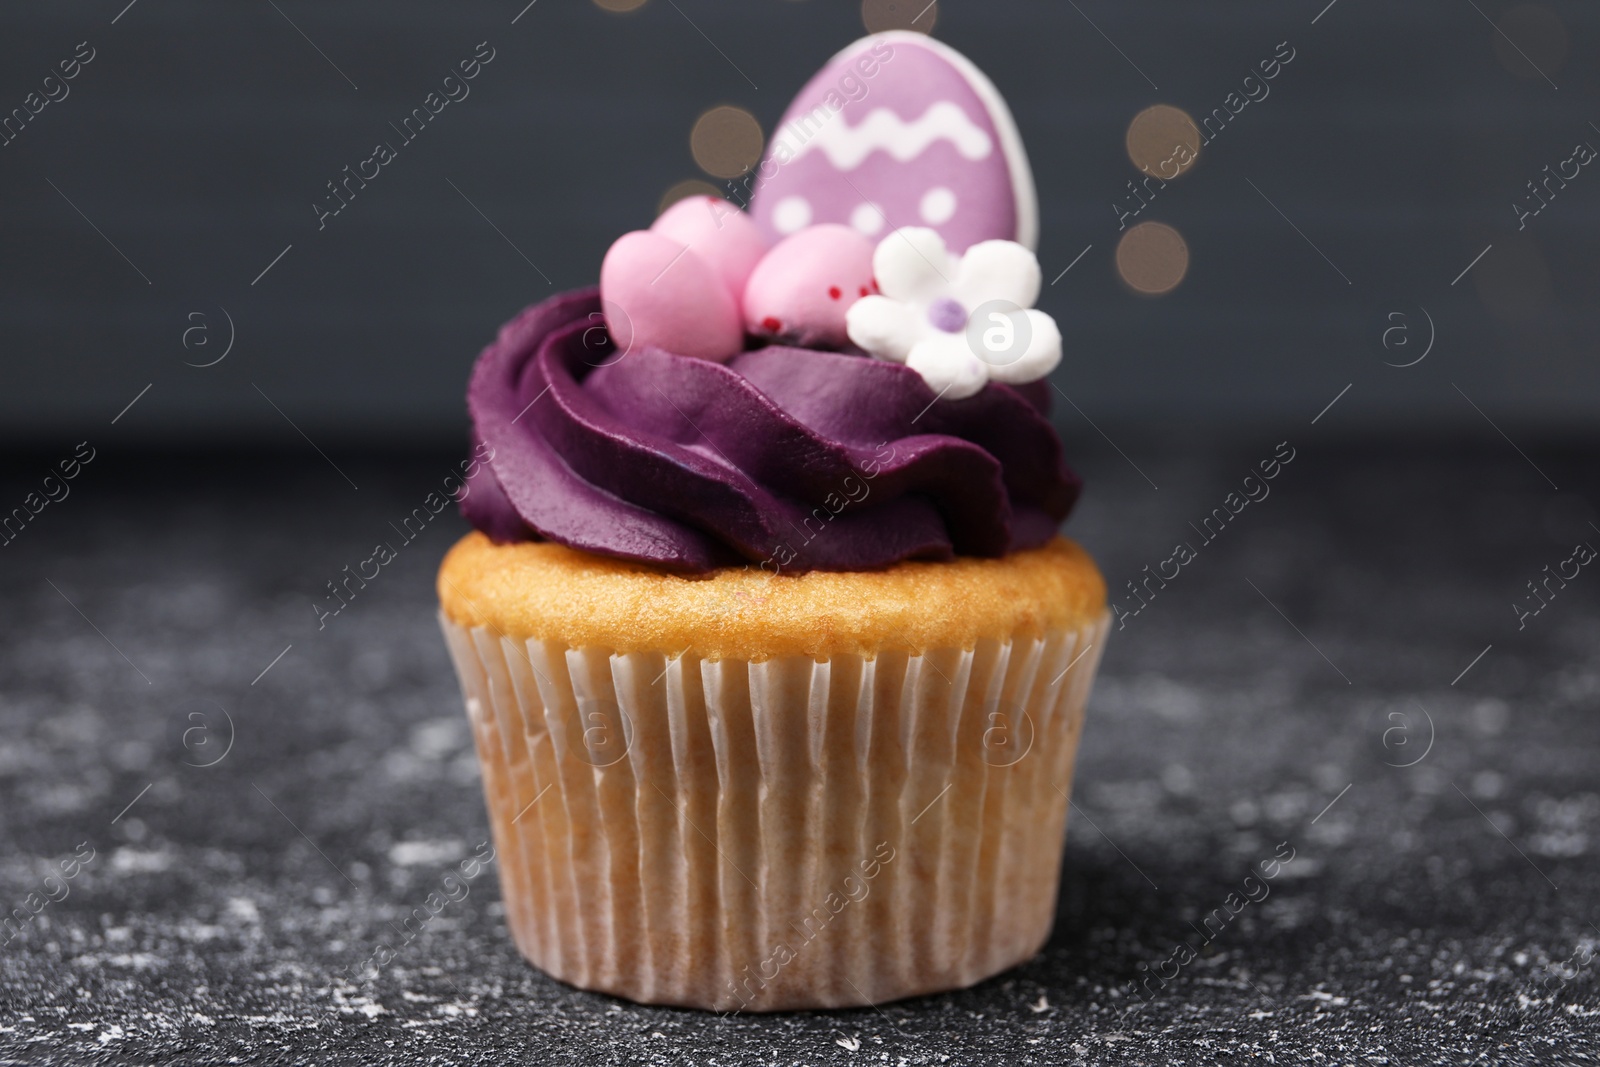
[{"x": 177, "y": 179}]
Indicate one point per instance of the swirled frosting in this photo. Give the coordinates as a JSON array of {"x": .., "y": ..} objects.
[{"x": 793, "y": 459}]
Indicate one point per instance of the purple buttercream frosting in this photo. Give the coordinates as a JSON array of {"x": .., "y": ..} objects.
[{"x": 789, "y": 458}]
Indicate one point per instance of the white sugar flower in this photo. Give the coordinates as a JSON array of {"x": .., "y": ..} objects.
[{"x": 959, "y": 321}]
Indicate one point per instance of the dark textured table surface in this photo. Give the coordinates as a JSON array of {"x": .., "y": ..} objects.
[{"x": 1340, "y": 669}]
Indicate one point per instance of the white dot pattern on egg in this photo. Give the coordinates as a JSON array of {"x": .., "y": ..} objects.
[
  {"x": 867, "y": 219},
  {"x": 938, "y": 206},
  {"x": 792, "y": 215},
  {"x": 905, "y": 128}
]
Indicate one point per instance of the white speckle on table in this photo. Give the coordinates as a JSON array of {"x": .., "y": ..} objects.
[
  {"x": 431, "y": 853},
  {"x": 131, "y": 860},
  {"x": 243, "y": 909}
]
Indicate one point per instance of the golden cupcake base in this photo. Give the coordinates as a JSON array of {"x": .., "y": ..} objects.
[{"x": 778, "y": 831}]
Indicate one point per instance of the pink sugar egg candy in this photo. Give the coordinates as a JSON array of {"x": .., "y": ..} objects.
[
  {"x": 657, "y": 293},
  {"x": 801, "y": 290},
  {"x": 719, "y": 233},
  {"x": 899, "y": 130}
]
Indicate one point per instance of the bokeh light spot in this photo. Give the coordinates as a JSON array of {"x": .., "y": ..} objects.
[
  {"x": 1152, "y": 258},
  {"x": 685, "y": 189},
  {"x": 1163, "y": 140},
  {"x": 726, "y": 141},
  {"x": 881, "y": 15}
]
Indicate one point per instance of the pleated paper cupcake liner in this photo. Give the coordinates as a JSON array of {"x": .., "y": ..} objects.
[{"x": 784, "y": 834}]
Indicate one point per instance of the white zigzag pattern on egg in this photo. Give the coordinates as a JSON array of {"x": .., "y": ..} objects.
[{"x": 848, "y": 146}]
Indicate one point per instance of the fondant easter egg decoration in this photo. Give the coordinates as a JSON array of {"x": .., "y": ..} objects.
[
  {"x": 899, "y": 130},
  {"x": 802, "y": 289},
  {"x": 658, "y": 293},
  {"x": 719, "y": 233}
]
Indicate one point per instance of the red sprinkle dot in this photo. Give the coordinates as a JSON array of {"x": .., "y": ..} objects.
[
  {"x": 772, "y": 325},
  {"x": 863, "y": 290},
  {"x": 833, "y": 291}
]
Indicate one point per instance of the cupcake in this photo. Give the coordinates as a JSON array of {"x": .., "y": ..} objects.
[{"x": 775, "y": 660}]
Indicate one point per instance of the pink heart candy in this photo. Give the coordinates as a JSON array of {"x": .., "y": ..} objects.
[
  {"x": 655, "y": 291},
  {"x": 801, "y": 290}
]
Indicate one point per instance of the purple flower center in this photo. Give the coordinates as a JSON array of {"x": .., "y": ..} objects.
[{"x": 947, "y": 315}]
